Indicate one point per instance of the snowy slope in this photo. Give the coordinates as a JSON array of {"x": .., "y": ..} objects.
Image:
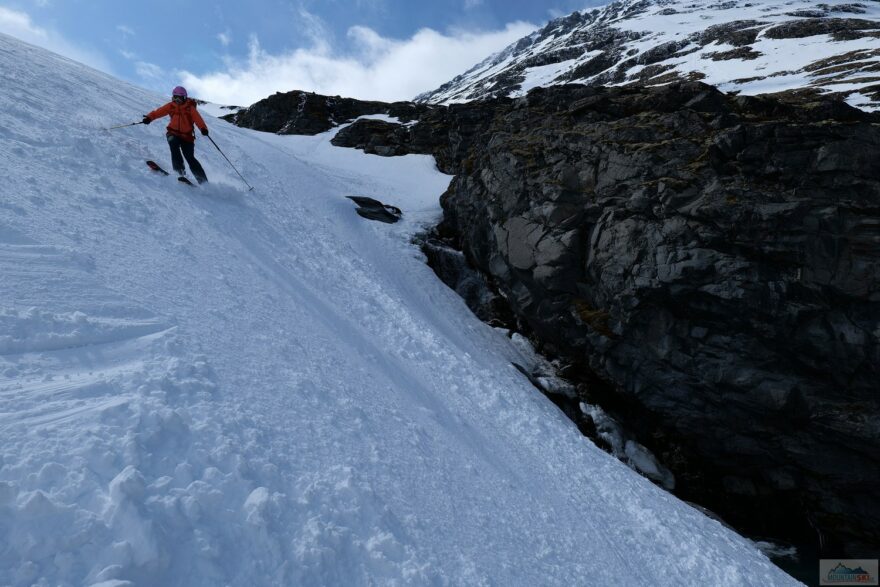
[
  {"x": 215, "y": 387},
  {"x": 217, "y": 110},
  {"x": 751, "y": 46}
]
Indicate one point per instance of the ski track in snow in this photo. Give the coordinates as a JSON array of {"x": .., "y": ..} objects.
[{"x": 218, "y": 387}]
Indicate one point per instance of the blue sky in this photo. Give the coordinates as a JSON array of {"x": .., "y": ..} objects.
[{"x": 237, "y": 52}]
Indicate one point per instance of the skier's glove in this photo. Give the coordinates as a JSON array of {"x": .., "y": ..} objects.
[
  {"x": 147, "y": 120},
  {"x": 204, "y": 132}
]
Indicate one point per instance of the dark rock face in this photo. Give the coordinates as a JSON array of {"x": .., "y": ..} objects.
[
  {"x": 376, "y": 137},
  {"x": 840, "y": 29},
  {"x": 714, "y": 260},
  {"x": 305, "y": 113},
  {"x": 449, "y": 133},
  {"x": 474, "y": 287}
]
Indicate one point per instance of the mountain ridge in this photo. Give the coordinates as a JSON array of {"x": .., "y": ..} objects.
[{"x": 752, "y": 47}]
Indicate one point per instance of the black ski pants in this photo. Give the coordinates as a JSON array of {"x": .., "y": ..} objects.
[{"x": 181, "y": 149}]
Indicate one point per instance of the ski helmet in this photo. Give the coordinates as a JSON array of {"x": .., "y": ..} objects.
[{"x": 179, "y": 91}]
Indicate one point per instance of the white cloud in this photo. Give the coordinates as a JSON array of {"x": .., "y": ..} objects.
[
  {"x": 471, "y": 4},
  {"x": 149, "y": 71},
  {"x": 376, "y": 68},
  {"x": 19, "y": 25},
  {"x": 224, "y": 38},
  {"x": 315, "y": 29},
  {"x": 126, "y": 31}
]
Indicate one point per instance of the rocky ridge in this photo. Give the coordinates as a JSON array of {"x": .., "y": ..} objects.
[
  {"x": 704, "y": 266},
  {"x": 748, "y": 46},
  {"x": 307, "y": 113}
]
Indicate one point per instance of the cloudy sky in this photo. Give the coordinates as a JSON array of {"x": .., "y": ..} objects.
[{"x": 236, "y": 52}]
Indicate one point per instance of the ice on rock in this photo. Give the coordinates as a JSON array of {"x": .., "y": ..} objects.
[
  {"x": 646, "y": 463},
  {"x": 628, "y": 450}
]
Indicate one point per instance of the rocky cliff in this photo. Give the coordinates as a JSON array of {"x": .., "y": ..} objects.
[
  {"x": 307, "y": 113},
  {"x": 708, "y": 267}
]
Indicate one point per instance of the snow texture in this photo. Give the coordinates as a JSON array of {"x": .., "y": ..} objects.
[{"x": 210, "y": 386}]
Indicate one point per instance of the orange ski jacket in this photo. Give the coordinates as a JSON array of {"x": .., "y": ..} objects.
[{"x": 183, "y": 118}]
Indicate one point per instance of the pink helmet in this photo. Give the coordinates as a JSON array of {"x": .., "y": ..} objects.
[{"x": 179, "y": 91}]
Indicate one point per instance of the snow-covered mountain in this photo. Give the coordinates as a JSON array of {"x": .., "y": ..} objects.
[
  {"x": 209, "y": 386},
  {"x": 750, "y": 46}
]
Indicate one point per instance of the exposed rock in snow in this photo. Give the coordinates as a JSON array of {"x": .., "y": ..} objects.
[
  {"x": 307, "y": 113},
  {"x": 373, "y": 209}
]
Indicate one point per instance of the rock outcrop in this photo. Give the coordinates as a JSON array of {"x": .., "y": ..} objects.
[
  {"x": 372, "y": 209},
  {"x": 717, "y": 259},
  {"x": 307, "y": 113},
  {"x": 709, "y": 266}
]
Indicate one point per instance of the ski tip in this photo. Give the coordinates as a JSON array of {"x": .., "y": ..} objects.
[{"x": 155, "y": 167}]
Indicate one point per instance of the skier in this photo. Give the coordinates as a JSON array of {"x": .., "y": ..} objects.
[{"x": 180, "y": 132}]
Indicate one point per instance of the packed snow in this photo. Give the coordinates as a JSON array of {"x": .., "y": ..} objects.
[{"x": 210, "y": 386}]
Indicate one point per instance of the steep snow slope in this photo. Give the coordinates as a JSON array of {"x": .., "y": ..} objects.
[
  {"x": 751, "y": 46},
  {"x": 215, "y": 387}
]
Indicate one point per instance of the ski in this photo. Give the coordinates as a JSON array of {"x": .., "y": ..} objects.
[{"x": 155, "y": 167}]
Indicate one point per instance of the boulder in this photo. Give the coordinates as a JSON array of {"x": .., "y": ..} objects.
[{"x": 372, "y": 209}]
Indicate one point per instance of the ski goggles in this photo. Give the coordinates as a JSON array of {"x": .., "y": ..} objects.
[{"x": 178, "y": 99}]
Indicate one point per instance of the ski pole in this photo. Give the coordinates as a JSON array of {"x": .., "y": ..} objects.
[
  {"x": 231, "y": 165},
  {"x": 124, "y": 125}
]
